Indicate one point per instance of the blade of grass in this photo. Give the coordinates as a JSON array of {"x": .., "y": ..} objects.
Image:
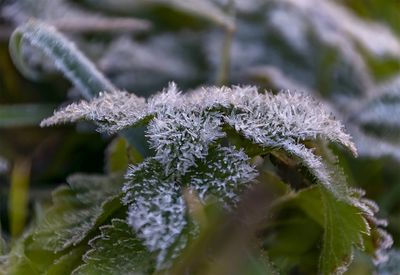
[
  {"x": 18, "y": 202},
  {"x": 75, "y": 66},
  {"x": 3, "y": 246}
]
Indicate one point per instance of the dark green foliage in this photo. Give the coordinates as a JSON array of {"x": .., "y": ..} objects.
[{"x": 116, "y": 251}]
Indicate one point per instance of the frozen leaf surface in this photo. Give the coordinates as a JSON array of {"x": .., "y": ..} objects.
[
  {"x": 112, "y": 111},
  {"x": 223, "y": 174},
  {"x": 156, "y": 208},
  {"x": 187, "y": 131},
  {"x": 116, "y": 251},
  {"x": 77, "y": 209},
  {"x": 265, "y": 118}
]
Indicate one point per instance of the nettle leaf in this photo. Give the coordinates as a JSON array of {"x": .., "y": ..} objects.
[
  {"x": 119, "y": 155},
  {"x": 17, "y": 263},
  {"x": 57, "y": 241},
  {"x": 347, "y": 226},
  {"x": 156, "y": 209},
  {"x": 184, "y": 130},
  {"x": 27, "y": 259},
  {"x": 266, "y": 119},
  {"x": 116, "y": 251},
  {"x": 78, "y": 208},
  {"x": 66, "y": 263},
  {"x": 343, "y": 229},
  {"x": 223, "y": 173},
  {"x": 112, "y": 111},
  {"x": 183, "y": 137}
]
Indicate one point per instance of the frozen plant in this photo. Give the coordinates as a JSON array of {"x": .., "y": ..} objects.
[
  {"x": 202, "y": 144},
  {"x": 186, "y": 132}
]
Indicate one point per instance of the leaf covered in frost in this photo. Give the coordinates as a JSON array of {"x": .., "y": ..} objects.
[
  {"x": 183, "y": 137},
  {"x": 78, "y": 208},
  {"x": 116, "y": 251},
  {"x": 224, "y": 173},
  {"x": 157, "y": 209},
  {"x": 267, "y": 119},
  {"x": 113, "y": 111},
  {"x": 184, "y": 131}
]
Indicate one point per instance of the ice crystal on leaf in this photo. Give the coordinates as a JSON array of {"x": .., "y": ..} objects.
[
  {"x": 222, "y": 174},
  {"x": 181, "y": 138},
  {"x": 265, "y": 118},
  {"x": 156, "y": 207},
  {"x": 189, "y": 134},
  {"x": 112, "y": 111}
]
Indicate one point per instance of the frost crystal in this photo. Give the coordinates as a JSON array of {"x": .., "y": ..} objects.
[
  {"x": 190, "y": 134},
  {"x": 111, "y": 111},
  {"x": 222, "y": 174},
  {"x": 156, "y": 207},
  {"x": 181, "y": 138}
]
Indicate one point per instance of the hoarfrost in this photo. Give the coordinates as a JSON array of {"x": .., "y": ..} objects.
[{"x": 184, "y": 130}]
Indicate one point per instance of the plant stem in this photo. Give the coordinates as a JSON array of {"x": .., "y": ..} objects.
[{"x": 225, "y": 63}]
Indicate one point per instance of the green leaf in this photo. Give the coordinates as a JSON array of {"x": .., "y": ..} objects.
[
  {"x": 18, "y": 263},
  {"x": 56, "y": 243},
  {"x": 119, "y": 155},
  {"x": 68, "y": 262},
  {"x": 3, "y": 258},
  {"x": 345, "y": 227},
  {"x": 3, "y": 244},
  {"x": 258, "y": 265},
  {"x": 157, "y": 210},
  {"x": 3, "y": 265},
  {"x": 18, "y": 202},
  {"x": 225, "y": 173},
  {"x": 77, "y": 210},
  {"x": 75, "y": 66},
  {"x": 116, "y": 251},
  {"x": 23, "y": 115}
]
